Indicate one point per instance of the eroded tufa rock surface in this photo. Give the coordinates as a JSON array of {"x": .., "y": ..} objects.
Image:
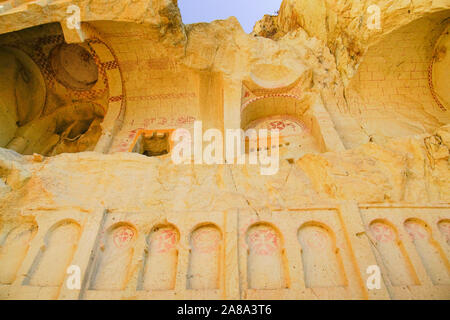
[{"x": 87, "y": 119}]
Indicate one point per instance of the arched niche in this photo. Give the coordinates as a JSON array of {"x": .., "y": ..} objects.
[
  {"x": 13, "y": 250},
  {"x": 296, "y": 138},
  {"x": 113, "y": 258},
  {"x": 205, "y": 258},
  {"x": 50, "y": 265},
  {"x": 390, "y": 94},
  {"x": 444, "y": 228},
  {"x": 393, "y": 254},
  {"x": 266, "y": 264},
  {"x": 322, "y": 262},
  {"x": 292, "y": 115},
  {"x": 22, "y": 92},
  {"x": 430, "y": 252},
  {"x": 272, "y": 105},
  {"x": 55, "y": 96},
  {"x": 161, "y": 259}
]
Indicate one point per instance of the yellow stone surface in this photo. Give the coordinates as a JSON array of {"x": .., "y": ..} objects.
[{"x": 87, "y": 183}]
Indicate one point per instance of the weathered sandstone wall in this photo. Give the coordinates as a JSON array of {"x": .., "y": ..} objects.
[{"x": 85, "y": 179}]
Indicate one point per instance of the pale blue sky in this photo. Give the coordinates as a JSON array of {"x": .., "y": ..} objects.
[{"x": 246, "y": 11}]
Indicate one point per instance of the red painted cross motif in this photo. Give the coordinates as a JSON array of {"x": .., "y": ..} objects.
[
  {"x": 206, "y": 240},
  {"x": 264, "y": 242},
  {"x": 416, "y": 231},
  {"x": 317, "y": 240},
  {"x": 383, "y": 233},
  {"x": 280, "y": 125},
  {"x": 165, "y": 241},
  {"x": 122, "y": 237}
]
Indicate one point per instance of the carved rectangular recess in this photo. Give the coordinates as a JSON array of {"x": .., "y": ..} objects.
[
  {"x": 150, "y": 255},
  {"x": 412, "y": 248},
  {"x": 297, "y": 254},
  {"x": 153, "y": 143},
  {"x": 35, "y": 255}
]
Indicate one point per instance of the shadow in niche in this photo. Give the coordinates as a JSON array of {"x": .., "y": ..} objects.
[
  {"x": 153, "y": 144},
  {"x": 156, "y": 145},
  {"x": 393, "y": 254},
  {"x": 160, "y": 264},
  {"x": 113, "y": 258},
  {"x": 400, "y": 87},
  {"x": 430, "y": 252},
  {"x": 204, "y": 258},
  {"x": 298, "y": 126},
  {"x": 266, "y": 264},
  {"x": 74, "y": 128},
  {"x": 53, "y": 95},
  {"x": 59, "y": 247},
  {"x": 13, "y": 249},
  {"x": 322, "y": 262}
]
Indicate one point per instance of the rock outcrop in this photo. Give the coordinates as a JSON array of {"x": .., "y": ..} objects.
[{"x": 362, "y": 177}]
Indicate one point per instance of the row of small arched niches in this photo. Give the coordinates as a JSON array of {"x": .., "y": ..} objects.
[
  {"x": 266, "y": 262},
  {"x": 396, "y": 259}
]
